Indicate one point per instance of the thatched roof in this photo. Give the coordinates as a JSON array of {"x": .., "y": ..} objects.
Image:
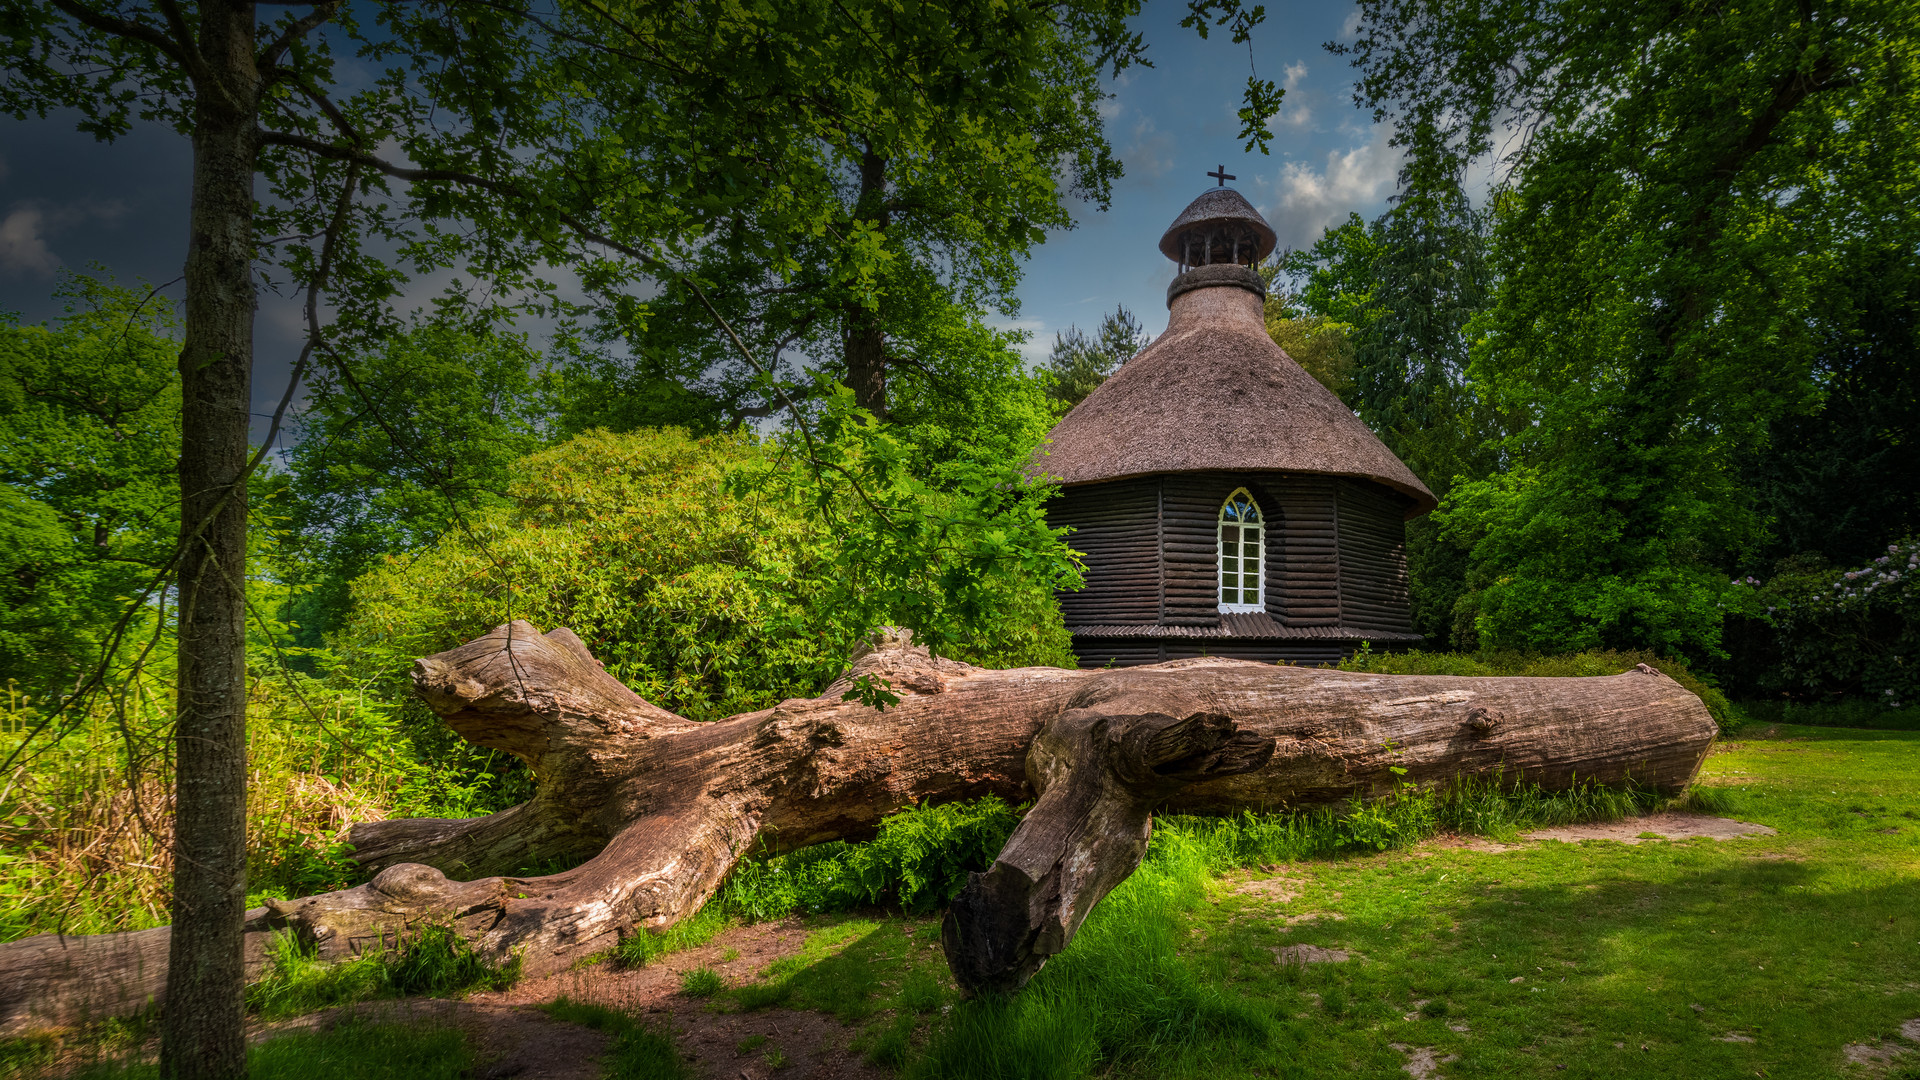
[
  {"x": 1215, "y": 392},
  {"x": 1217, "y": 206}
]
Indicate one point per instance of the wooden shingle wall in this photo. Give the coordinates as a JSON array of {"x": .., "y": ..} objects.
[
  {"x": 1336, "y": 550},
  {"x": 1190, "y": 547},
  {"x": 1373, "y": 558},
  {"x": 1116, "y": 526}
]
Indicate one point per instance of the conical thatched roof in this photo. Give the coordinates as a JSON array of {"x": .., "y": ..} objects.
[
  {"x": 1215, "y": 392},
  {"x": 1218, "y": 206}
]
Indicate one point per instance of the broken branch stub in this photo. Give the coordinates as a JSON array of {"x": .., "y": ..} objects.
[{"x": 1098, "y": 776}]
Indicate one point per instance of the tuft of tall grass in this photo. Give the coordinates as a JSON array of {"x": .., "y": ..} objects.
[
  {"x": 86, "y": 817},
  {"x": 1122, "y": 994},
  {"x": 919, "y": 860},
  {"x": 638, "y": 1052},
  {"x": 436, "y": 962},
  {"x": 1475, "y": 807}
]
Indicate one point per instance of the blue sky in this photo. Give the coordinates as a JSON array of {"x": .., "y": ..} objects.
[
  {"x": 1176, "y": 122},
  {"x": 66, "y": 201}
]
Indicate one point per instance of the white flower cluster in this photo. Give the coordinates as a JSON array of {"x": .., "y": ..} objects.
[{"x": 1889, "y": 569}]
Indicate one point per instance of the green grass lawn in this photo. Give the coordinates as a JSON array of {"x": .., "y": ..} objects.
[
  {"x": 1690, "y": 959},
  {"x": 1699, "y": 958}
]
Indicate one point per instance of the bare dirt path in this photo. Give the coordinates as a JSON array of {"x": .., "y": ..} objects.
[
  {"x": 513, "y": 1038},
  {"x": 718, "y": 1045}
]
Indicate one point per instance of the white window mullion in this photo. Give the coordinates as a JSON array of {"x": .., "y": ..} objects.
[{"x": 1241, "y": 554}]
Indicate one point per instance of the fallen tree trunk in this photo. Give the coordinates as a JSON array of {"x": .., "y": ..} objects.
[{"x": 665, "y": 807}]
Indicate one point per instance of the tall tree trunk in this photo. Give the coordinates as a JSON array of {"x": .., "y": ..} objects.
[
  {"x": 666, "y": 807},
  {"x": 202, "y": 1032},
  {"x": 866, "y": 345}
]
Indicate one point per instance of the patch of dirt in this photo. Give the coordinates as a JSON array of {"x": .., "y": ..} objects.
[
  {"x": 1911, "y": 1029},
  {"x": 1468, "y": 843},
  {"x": 1671, "y": 825},
  {"x": 513, "y": 1038},
  {"x": 1734, "y": 1037},
  {"x": 1273, "y": 890},
  {"x": 1308, "y": 954},
  {"x": 654, "y": 987},
  {"x": 1422, "y": 1062},
  {"x": 1313, "y": 917},
  {"x": 813, "y": 1045},
  {"x": 1876, "y": 1056}
]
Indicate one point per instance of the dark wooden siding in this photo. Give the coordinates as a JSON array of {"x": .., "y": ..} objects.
[
  {"x": 1116, "y": 526},
  {"x": 1373, "y": 558},
  {"x": 1125, "y": 652},
  {"x": 1190, "y": 546},
  {"x": 1336, "y": 553},
  {"x": 1304, "y": 589}
]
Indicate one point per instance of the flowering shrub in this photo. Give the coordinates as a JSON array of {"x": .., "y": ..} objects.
[{"x": 1814, "y": 631}]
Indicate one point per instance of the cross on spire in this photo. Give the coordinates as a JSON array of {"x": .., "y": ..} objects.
[{"x": 1223, "y": 176}]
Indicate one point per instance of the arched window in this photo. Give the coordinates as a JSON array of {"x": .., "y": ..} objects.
[{"x": 1243, "y": 535}]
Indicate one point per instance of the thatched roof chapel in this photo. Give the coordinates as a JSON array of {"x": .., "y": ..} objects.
[{"x": 1225, "y": 502}]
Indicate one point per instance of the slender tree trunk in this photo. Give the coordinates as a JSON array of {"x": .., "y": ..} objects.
[
  {"x": 202, "y": 1032},
  {"x": 866, "y": 345}
]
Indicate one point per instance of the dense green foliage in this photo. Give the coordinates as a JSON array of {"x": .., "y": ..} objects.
[
  {"x": 393, "y": 450},
  {"x": 1698, "y": 260},
  {"x": 89, "y": 429},
  {"x": 678, "y": 563},
  {"x": 919, "y": 862}
]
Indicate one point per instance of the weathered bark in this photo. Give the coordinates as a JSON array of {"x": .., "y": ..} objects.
[
  {"x": 1099, "y": 776},
  {"x": 865, "y": 343},
  {"x": 671, "y": 805},
  {"x": 203, "y": 1033}
]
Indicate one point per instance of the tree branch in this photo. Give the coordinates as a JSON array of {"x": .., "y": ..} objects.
[
  {"x": 269, "y": 57},
  {"x": 131, "y": 30}
]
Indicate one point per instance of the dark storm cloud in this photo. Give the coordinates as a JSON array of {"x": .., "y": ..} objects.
[{"x": 70, "y": 202}]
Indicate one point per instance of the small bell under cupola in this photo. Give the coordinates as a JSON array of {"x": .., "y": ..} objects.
[{"x": 1224, "y": 502}]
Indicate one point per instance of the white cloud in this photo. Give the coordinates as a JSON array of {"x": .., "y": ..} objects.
[
  {"x": 1351, "y": 26},
  {"x": 1296, "y": 110},
  {"x": 1305, "y": 200},
  {"x": 24, "y": 233},
  {"x": 1039, "y": 343},
  {"x": 23, "y": 250}
]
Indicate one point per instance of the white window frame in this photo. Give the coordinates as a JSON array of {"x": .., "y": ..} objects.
[{"x": 1220, "y": 552}]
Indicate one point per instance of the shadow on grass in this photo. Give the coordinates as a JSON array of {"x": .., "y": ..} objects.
[{"x": 362, "y": 1051}]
